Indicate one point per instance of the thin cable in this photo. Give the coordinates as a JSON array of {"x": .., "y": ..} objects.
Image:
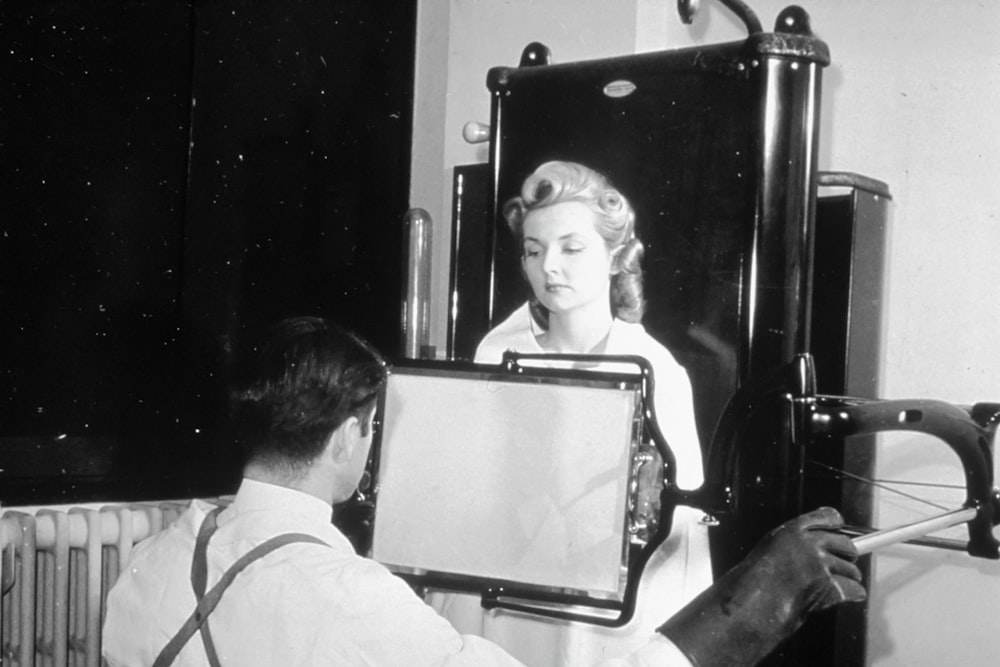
[{"x": 879, "y": 484}]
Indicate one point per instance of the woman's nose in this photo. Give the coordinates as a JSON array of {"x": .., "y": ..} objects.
[{"x": 550, "y": 262}]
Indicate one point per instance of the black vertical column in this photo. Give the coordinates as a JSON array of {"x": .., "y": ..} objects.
[
  {"x": 777, "y": 276},
  {"x": 778, "y": 301},
  {"x": 780, "y": 264}
]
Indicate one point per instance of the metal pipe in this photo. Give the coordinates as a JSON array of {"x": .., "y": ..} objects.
[
  {"x": 866, "y": 544},
  {"x": 417, "y": 227}
]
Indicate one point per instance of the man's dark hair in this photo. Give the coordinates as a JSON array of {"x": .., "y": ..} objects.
[{"x": 292, "y": 391}]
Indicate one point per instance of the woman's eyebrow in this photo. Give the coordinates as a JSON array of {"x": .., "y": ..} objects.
[{"x": 571, "y": 236}]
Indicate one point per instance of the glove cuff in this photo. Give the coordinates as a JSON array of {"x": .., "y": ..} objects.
[{"x": 727, "y": 626}]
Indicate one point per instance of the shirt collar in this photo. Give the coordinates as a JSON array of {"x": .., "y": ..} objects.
[{"x": 255, "y": 495}]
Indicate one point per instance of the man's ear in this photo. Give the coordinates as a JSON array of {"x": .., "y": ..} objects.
[{"x": 344, "y": 439}]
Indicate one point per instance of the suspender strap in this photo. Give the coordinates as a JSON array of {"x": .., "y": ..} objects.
[
  {"x": 198, "y": 620},
  {"x": 199, "y": 579},
  {"x": 199, "y": 564}
]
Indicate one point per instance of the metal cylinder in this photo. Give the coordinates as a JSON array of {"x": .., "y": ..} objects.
[
  {"x": 417, "y": 229},
  {"x": 865, "y": 544}
]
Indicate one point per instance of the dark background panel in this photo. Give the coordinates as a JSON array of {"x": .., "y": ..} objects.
[
  {"x": 683, "y": 158},
  {"x": 94, "y": 127},
  {"x": 300, "y": 153},
  {"x": 298, "y": 177},
  {"x": 172, "y": 175}
]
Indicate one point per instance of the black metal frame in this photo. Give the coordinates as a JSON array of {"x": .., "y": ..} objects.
[{"x": 516, "y": 596}]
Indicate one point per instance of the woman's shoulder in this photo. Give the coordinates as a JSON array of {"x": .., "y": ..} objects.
[
  {"x": 633, "y": 338},
  {"x": 514, "y": 333}
]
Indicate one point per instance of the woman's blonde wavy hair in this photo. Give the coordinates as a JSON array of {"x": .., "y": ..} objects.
[{"x": 558, "y": 182}]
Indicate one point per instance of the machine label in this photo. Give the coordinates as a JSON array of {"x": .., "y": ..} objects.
[{"x": 619, "y": 88}]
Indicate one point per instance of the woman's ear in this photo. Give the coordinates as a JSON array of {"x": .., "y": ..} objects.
[{"x": 616, "y": 260}]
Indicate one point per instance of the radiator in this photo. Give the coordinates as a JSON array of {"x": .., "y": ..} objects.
[{"x": 58, "y": 565}]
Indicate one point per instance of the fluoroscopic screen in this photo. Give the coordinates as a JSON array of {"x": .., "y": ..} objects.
[{"x": 505, "y": 480}]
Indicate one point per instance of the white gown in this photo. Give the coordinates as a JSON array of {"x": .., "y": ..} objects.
[{"x": 677, "y": 572}]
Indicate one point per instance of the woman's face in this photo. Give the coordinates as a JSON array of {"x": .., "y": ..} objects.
[{"x": 566, "y": 261}]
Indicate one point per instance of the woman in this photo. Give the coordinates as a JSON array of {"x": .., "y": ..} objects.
[{"x": 582, "y": 260}]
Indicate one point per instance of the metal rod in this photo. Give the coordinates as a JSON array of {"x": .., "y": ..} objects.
[
  {"x": 866, "y": 544},
  {"x": 416, "y": 303}
]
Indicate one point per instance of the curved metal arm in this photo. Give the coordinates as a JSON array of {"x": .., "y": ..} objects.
[
  {"x": 840, "y": 416},
  {"x": 792, "y": 389}
]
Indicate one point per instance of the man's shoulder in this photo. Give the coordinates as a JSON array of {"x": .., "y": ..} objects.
[
  {"x": 335, "y": 580},
  {"x": 164, "y": 555}
]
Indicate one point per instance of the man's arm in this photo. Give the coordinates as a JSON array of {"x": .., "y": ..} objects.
[{"x": 385, "y": 623}]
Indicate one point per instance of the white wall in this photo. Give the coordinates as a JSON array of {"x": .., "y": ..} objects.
[{"x": 909, "y": 99}]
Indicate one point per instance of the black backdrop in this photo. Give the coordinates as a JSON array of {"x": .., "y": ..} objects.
[
  {"x": 684, "y": 158},
  {"x": 172, "y": 176}
]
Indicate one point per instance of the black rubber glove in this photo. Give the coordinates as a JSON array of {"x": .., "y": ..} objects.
[{"x": 799, "y": 568}]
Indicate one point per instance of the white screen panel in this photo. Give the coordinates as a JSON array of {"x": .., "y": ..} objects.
[{"x": 505, "y": 480}]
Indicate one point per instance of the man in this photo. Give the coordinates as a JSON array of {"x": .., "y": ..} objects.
[{"x": 270, "y": 581}]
